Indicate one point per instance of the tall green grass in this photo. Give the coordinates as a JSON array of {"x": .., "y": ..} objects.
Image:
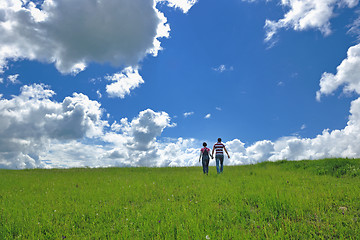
[{"x": 281, "y": 200}]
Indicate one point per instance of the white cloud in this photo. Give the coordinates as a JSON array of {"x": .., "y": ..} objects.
[
  {"x": 307, "y": 14},
  {"x": 128, "y": 79},
  {"x": 13, "y": 79},
  {"x": 29, "y": 122},
  {"x": 354, "y": 28},
  {"x": 36, "y": 131},
  {"x": 99, "y": 94},
  {"x": 303, "y": 126},
  {"x": 119, "y": 32},
  {"x": 337, "y": 143},
  {"x": 187, "y": 114},
  {"x": 207, "y": 116},
  {"x": 134, "y": 142},
  {"x": 179, "y": 152},
  {"x": 218, "y": 108},
  {"x": 347, "y": 74},
  {"x": 223, "y": 68},
  {"x": 184, "y": 5}
]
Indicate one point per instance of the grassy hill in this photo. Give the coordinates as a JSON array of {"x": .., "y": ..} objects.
[{"x": 286, "y": 199}]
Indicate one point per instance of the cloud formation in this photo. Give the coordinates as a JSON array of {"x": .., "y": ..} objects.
[
  {"x": 124, "y": 81},
  {"x": 36, "y": 131},
  {"x": 307, "y": 14},
  {"x": 13, "y": 79},
  {"x": 347, "y": 74},
  {"x": 29, "y": 121},
  {"x": 184, "y": 5},
  {"x": 136, "y": 140},
  {"x": 72, "y": 35},
  {"x": 337, "y": 143}
]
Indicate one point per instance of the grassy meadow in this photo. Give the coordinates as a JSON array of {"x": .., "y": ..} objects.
[{"x": 282, "y": 200}]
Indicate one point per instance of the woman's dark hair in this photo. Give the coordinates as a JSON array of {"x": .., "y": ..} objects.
[
  {"x": 219, "y": 139},
  {"x": 204, "y": 144}
]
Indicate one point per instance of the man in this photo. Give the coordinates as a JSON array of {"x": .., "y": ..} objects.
[{"x": 219, "y": 157}]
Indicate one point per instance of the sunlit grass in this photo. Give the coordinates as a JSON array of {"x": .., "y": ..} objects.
[{"x": 298, "y": 200}]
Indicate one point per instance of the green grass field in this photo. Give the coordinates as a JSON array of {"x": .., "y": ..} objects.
[{"x": 282, "y": 200}]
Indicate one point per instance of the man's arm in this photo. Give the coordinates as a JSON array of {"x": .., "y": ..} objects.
[
  {"x": 212, "y": 153},
  {"x": 226, "y": 152}
]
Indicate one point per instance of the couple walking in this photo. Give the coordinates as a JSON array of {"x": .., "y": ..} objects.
[{"x": 219, "y": 156}]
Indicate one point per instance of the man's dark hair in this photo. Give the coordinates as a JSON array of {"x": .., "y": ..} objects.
[
  {"x": 204, "y": 144},
  {"x": 219, "y": 139}
]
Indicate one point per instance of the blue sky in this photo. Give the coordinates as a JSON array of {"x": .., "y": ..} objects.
[{"x": 144, "y": 83}]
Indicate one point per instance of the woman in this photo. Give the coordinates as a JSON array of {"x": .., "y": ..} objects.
[{"x": 205, "y": 154}]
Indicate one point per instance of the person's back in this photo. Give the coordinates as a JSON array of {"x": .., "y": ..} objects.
[
  {"x": 219, "y": 147},
  {"x": 205, "y": 155}
]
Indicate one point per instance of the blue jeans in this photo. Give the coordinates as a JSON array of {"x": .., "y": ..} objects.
[
  {"x": 219, "y": 158},
  {"x": 205, "y": 164}
]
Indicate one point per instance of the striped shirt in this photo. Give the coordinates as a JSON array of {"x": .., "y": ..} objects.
[{"x": 219, "y": 148}]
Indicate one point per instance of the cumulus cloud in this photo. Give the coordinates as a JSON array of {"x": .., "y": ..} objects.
[
  {"x": 134, "y": 143},
  {"x": 337, "y": 143},
  {"x": 136, "y": 140},
  {"x": 347, "y": 74},
  {"x": 29, "y": 121},
  {"x": 307, "y": 14},
  {"x": 123, "y": 82},
  {"x": 207, "y": 116},
  {"x": 179, "y": 152},
  {"x": 72, "y": 35},
  {"x": 36, "y": 131}
]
